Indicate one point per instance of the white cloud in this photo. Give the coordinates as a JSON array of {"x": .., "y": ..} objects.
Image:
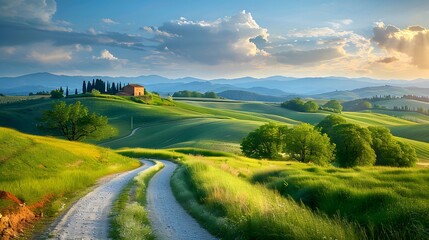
[
  {"x": 108, "y": 21},
  {"x": 106, "y": 55},
  {"x": 211, "y": 42},
  {"x": 51, "y": 57},
  {"x": 412, "y": 41}
]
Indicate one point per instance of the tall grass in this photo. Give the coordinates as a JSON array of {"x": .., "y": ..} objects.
[
  {"x": 232, "y": 208},
  {"x": 388, "y": 203},
  {"x": 129, "y": 218}
]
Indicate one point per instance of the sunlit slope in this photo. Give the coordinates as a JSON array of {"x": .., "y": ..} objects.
[
  {"x": 366, "y": 119},
  {"x": 34, "y": 167}
]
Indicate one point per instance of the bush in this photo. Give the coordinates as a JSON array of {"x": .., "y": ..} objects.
[{"x": 353, "y": 145}]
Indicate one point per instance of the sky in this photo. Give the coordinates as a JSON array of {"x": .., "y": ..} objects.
[{"x": 216, "y": 39}]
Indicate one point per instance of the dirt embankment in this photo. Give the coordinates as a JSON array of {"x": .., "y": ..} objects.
[{"x": 15, "y": 215}]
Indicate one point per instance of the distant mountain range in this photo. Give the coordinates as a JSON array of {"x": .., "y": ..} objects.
[{"x": 275, "y": 88}]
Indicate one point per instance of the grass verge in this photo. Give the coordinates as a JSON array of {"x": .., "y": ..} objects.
[{"x": 129, "y": 218}]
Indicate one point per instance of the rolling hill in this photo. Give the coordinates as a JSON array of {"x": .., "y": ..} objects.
[
  {"x": 211, "y": 125},
  {"x": 369, "y": 92},
  {"x": 326, "y": 87}
]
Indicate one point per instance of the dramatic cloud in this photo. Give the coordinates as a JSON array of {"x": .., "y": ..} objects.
[
  {"x": 106, "y": 55},
  {"x": 388, "y": 60},
  {"x": 317, "y": 45},
  {"x": 108, "y": 21},
  {"x": 310, "y": 56},
  {"x": 412, "y": 41},
  {"x": 211, "y": 42}
]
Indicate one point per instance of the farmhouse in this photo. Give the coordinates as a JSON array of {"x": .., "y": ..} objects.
[{"x": 133, "y": 90}]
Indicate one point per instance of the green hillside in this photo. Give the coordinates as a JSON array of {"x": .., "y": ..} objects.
[
  {"x": 212, "y": 125},
  {"x": 390, "y": 104},
  {"x": 38, "y": 168}
]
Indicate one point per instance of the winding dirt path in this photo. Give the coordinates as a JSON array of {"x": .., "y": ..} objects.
[
  {"x": 168, "y": 219},
  {"x": 88, "y": 218},
  {"x": 122, "y": 138}
]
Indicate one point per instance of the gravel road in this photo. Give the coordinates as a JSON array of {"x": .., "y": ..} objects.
[
  {"x": 168, "y": 219},
  {"x": 88, "y": 218}
]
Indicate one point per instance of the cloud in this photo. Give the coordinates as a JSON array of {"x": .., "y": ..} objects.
[
  {"x": 211, "y": 42},
  {"x": 297, "y": 57},
  {"x": 106, "y": 55},
  {"x": 108, "y": 21},
  {"x": 51, "y": 57},
  {"x": 388, "y": 60},
  {"x": 412, "y": 41}
]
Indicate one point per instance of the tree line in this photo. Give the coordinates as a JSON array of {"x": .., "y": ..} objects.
[
  {"x": 195, "y": 94},
  {"x": 331, "y": 141},
  {"x": 297, "y": 104},
  {"x": 101, "y": 86},
  {"x": 97, "y": 85}
]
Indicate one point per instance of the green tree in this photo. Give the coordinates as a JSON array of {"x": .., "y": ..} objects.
[
  {"x": 353, "y": 145},
  {"x": 311, "y": 106},
  {"x": 305, "y": 144},
  {"x": 334, "y": 104},
  {"x": 57, "y": 94},
  {"x": 363, "y": 105},
  {"x": 295, "y": 104},
  {"x": 408, "y": 155},
  {"x": 389, "y": 151},
  {"x": 329, "y": 122},
  {"x": 267, "y": 141},
  {"x": 75, "y": 122}
]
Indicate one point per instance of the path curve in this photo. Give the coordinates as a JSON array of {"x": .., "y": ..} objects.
[
  {"x": 88, "y": 218},
  {"x": 122, "y": 138},
  {"x": 168, "y": 219}
]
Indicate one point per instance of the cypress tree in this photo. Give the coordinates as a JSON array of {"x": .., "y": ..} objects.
[
  {"x": 75, "y": 92},
  {"x": 84, "y": 87},
  {"x": 67, "y": 91}
]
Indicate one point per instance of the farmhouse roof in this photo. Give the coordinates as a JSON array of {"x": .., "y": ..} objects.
[{"x": 135, "y": 85}]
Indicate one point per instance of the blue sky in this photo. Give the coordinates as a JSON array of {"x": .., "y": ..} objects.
[{"x": 213, "y": 39}]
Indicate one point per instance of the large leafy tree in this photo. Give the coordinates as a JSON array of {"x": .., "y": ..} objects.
[
  {"x": 329, "y": 122},
  {"x": 75, "y": 122},
  {"x": 267, "y": 141},
  {"x": 305, "y": 144},
  {"x": 353, "y": 145},
  {"x": 389, "y": 151}
]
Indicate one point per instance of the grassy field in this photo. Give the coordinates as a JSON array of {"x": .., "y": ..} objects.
[
  {"x": 13, "y": 99},
  {"x": 410, "y": 116},
  {"x": 38, "y": 168},
  {"x": 402, "y": 102},
  {"x": 365, "y": 202}
]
